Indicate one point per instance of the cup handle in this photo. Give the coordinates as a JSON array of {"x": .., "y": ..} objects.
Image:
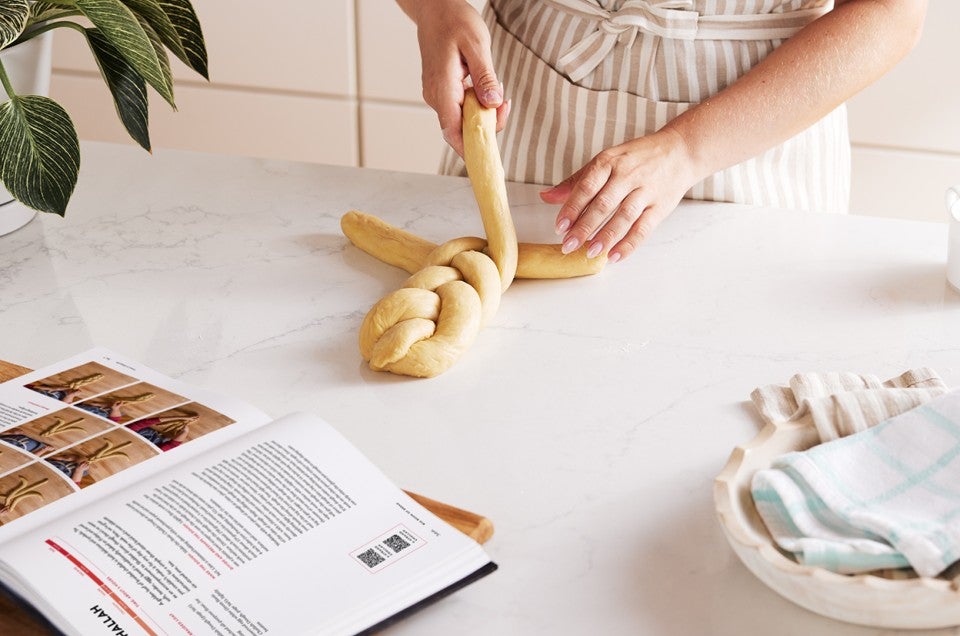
[{"x": 953, "y": 203}]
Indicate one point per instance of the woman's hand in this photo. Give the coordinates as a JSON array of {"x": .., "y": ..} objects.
[
  {"x": 622, "y": 194},
  {"x": 455, "y": 54}
]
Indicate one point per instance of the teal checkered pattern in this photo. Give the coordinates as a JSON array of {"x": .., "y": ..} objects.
[{"x": 887, "y": 497}]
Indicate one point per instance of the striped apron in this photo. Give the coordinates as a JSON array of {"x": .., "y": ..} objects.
[{"x": 584, "y": 77}]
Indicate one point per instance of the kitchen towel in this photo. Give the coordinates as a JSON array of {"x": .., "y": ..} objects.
[
  {"x": 842, "y": 403},
  {"x": 884, "y": 497}
]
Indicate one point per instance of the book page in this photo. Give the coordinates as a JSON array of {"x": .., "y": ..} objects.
[
  {"x": 287, "y": 530},
  {"x": 86, "y": 426}
]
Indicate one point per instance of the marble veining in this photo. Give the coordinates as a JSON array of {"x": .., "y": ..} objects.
[{"x": 587, "y": 421}]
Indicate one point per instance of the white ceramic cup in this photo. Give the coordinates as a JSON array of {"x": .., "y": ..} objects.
[{"x": 953, "y": 240}]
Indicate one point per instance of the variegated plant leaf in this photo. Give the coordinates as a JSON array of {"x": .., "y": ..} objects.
[
  {"x": 13, "y": 19},
  {"x": 160, "y": 51},
  {"x": 127, "y": 87},
  {"x": 39, "y": 152},
  {"x": 184, "y": 20},
  {"x": 151, "y": 12},
  {"x": 121, "y": 27},
  {"x": 42, "y": 11}
]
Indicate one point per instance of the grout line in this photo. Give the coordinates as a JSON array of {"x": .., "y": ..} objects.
[
  {"x": 357, "y": 59},
  {"x": 359, "y": 99},
  {"x": 282, "y": 92},
  {"x": 906, "y": 149}
]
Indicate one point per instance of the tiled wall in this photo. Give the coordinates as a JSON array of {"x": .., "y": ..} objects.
[
  {"x": 906, "y": 127},
  {"x": 283, "y": 85},
  {"x": 338, "y": 82}
]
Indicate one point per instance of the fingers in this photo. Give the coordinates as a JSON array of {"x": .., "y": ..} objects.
[
  {"x": 476, "y": 54},
  {"x": 456, "y": 56},
  {"x": 453, "y": 135},
  {"x": 503, "y": 111},
  {"x": 619, "y": 217},
  {"x": 593, "y": 197},
  {"x": 446, "y": 98},
  {"x": 625, "y": 230},
  {"x": 638, "y": 233},
  {"x": 560, "y": 192}
]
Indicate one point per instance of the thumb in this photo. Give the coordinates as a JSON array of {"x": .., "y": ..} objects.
[
  {"x": 488, "y": 88},
  {"x": 559, "y": 192}
]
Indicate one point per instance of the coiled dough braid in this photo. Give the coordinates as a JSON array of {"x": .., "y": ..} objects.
[{"x": 425, "y": 326}]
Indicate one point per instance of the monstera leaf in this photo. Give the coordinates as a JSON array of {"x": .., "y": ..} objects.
[{"x": 39, "y": 152}]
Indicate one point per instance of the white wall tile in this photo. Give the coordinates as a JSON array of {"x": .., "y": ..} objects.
[
  {"x": 917, "y": 104},
  {"x": 294, "y": 46},
  {"x": 389, "y": 55},
  {"x": 224, "y": 121},
  {"x": 389, "y": 58},
  {"x": 902, "y": 184},
  {"x": 399, "y": 137}
]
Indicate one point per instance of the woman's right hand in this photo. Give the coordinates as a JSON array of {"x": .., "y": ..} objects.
[{"x": 454, "y": 46}]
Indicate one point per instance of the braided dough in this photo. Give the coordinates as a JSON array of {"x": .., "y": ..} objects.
[{"x": 425, "y": 326}]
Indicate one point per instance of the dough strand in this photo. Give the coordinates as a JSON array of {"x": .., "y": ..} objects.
[{"x": 454, "y": 289}]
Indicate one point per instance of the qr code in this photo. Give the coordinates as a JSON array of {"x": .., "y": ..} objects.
[
  {"x": 371, "y": 558},
  {"x": 396, "y": 543}
]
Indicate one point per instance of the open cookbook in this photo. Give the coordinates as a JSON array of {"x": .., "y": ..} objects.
[{"x": 131, "y": 503}]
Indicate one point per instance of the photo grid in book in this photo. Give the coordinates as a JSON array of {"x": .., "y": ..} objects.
[
  {"x": 86, "y": 424},
  {"x": 133, "y": 503}
]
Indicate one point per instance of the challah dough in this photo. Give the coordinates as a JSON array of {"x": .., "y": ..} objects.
[{"x": 425, "y": 326}]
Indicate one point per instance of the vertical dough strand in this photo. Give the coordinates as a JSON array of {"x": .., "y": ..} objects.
[{"x": 485, "y": 170}]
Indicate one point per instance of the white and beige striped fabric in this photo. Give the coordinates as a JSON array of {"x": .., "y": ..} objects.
[
  {"x": 839, "y": 404},
  {"x": 586, "y": 75}
]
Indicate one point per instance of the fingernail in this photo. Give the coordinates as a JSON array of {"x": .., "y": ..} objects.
[
  {"x": 446, "y": 136},
  {"x": 613, "y": 257},
  {"x": 491, "y": 97},
  {"x": 563, "y": 225},
  {"x": 594, "y": 250},
  {"x": 570, "y": 245}
]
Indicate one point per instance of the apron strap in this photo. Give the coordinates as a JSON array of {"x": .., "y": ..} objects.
[{"x": 672, "y": 19}]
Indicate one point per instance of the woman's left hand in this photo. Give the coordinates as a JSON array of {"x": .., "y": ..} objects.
[{"x": 622, "y": 194}]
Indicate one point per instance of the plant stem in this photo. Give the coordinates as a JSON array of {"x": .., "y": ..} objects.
[
  {"x": 5, "y": 81},
  {"x": 49, "y": 26}
]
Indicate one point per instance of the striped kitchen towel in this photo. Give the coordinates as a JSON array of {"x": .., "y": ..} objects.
[
  {"x": 842, "y": 403},
  {"x": 887, "y": 496}
]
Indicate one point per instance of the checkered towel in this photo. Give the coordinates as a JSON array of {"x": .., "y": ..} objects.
[{"x": 884, "y": 497}]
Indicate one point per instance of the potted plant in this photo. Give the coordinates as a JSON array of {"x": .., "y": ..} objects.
[{"x": 39, "y": 150}]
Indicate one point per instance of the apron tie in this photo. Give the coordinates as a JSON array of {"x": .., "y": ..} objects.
[{"x": 673, "y": 19}]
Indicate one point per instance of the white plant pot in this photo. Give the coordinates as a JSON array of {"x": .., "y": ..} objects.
[{"x": 28, "y": 67}]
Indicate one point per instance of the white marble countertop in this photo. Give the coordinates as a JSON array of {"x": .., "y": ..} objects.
[{"x": 588, "y": 420}]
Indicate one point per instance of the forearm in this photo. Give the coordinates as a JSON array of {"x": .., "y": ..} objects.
[
  {"x": 413, "y": 8},
  {"x": 410, "y": 7},
  {"x": 800, "y": 82}
]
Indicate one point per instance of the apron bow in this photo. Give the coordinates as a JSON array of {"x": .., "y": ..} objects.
[{"x": 664, "y": 18}]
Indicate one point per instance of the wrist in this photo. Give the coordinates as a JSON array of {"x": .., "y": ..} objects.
[
  {"x": 688, "y": 165},
  {"x": 416, "y": 9}
]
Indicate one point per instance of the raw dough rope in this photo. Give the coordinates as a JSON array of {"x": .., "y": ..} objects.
[
  {"x": 84, "y": 381},
  {"x": 59, "y": 426},
  {"x": 425, "y": 326},
  {"x": 109, "y": 450},
  {"x": 22, "y": 491}
]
